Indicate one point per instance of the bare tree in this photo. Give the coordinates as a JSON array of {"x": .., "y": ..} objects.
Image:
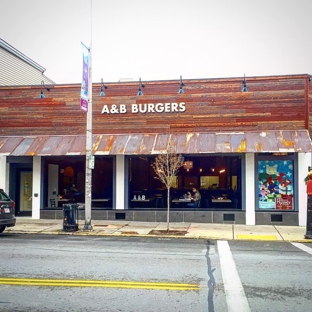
[{"x": 166, "y": 167}]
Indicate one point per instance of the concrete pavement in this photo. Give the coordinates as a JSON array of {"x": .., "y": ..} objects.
[{"x": 26, "y": 225}]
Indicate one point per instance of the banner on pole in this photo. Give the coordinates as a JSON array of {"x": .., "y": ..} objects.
[{"x": 84, "y": 96}]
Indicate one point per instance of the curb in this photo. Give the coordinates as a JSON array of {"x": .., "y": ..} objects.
[{"x": 94, "y": 233}]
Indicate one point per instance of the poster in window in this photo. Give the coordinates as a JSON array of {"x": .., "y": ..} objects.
[{"x": 275, "y": 184}]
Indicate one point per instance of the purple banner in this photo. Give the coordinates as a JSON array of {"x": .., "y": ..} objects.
[{"x": 85, "y": 79}]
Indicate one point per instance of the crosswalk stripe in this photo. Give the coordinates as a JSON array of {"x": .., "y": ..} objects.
[
  {"x": 234, "y": 292},
  {"x": 303, "y": 247}
]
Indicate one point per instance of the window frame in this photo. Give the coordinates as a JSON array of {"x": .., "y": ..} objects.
[{"x": 271, "y": 157}]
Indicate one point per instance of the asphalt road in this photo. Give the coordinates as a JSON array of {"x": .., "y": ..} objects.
[{"x": 78, "y": 273}]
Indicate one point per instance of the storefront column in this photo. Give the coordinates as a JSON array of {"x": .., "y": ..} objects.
[
  {"x": 250, "y": 189},
  {"x": 36, "y": 193},
  {"x": 4, "y": 174},
  {"x": 304, "y": 161},
  {"x": 120, "y": 182}
]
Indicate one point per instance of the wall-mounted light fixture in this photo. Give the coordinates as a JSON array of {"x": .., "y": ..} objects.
[
  {"x": 102, "y": 93},
  {"x": 141, "y": 85},
  {"x": 222, "y": 170},
  {"x": 42, "y": 96},
  {"x": 181, "y": 86},
  {"x": 245, "y": 89},
  {"x": 188, "y": 165},
  {"x": 212, "y": 169}
]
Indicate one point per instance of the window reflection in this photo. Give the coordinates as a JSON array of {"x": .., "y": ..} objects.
[{"x": 214, "y": 176}]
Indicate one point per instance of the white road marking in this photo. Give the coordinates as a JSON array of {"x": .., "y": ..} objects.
[
  {"x": 303, "y": 247},
  {"x": 234, "y": 292}
]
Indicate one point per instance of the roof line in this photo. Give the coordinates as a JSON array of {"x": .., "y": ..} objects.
[{"x": 20, "y": 55}]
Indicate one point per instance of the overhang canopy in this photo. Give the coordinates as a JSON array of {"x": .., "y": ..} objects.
[{"x": 144, "y": 144}]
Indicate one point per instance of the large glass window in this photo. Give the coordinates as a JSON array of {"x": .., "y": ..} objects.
[
  {"x": 207, "y": 182},
  {"x": 217, "y": 178},
  {"x": 276, "y": 184},
  {"x": 65, "y": 176}
]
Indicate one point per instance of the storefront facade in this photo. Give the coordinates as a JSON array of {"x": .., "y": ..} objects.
[{"x": 246, "y": 152}]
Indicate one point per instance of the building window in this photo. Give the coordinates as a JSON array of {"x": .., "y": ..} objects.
[{"x": 276, "y": 184}]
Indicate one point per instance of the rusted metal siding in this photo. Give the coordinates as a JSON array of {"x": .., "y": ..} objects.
[
  {"x": 309, "y": 103},
  {"x": 140, "y": 144},
  {"x": 276, "y": 103}
]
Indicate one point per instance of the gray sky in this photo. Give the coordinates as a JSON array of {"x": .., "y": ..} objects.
[{"x": 162, "y": 39}]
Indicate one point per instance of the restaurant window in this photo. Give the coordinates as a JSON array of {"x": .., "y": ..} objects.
[
  {"x": 276, "y": 184},
  {"x": 190, "y": 182},
  {"x": 174, "y": 182},
  {"x": 209, "y": 182}
]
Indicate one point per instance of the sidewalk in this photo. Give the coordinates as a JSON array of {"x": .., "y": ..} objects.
[{"x": 26, "y": 225}]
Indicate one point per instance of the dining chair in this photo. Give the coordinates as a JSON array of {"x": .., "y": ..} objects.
[
  {"x": 235, "y": 202},
  {"x": 52, "y": 202},
  {"x": 159, "y": 201}
]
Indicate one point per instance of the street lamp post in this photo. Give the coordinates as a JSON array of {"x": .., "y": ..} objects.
[
  {"x": 89, "y": 156},
  {"x": 89, "y": 162}
]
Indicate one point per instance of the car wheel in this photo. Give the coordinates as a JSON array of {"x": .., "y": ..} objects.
[{"x": 2, "y": 228}]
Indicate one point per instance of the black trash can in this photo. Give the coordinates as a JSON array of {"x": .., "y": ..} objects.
[
  {"x": 309, "y": 218},
  {"x": 309, "y": 209},
  {"x": 70, "y": 217}
]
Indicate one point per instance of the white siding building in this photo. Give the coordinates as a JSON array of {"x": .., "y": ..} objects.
[{"x": 17, "y": 69}]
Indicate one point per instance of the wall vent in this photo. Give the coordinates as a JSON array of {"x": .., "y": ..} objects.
[
  {"x": 120, "y": 216},
  {"x": 228, "y": 217},
  {"x": 276, "y": 218}
]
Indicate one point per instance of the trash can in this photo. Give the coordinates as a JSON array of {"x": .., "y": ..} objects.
[{"x": 70, "y": 217}]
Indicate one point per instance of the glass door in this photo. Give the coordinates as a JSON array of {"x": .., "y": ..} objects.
[{"x": 26, "y": 191}]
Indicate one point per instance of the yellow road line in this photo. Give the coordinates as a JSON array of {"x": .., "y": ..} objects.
[
  {"x": 95, "y": 283},
  {"x": 256, "y": 237}
]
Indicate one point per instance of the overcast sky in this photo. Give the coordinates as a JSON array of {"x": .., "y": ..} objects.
[{"x": 162, "y": 39}]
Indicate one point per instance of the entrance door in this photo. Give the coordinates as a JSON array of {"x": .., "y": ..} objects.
[
  {"x": 25, "y": 203},
  {"x": 53, "y": 185}
]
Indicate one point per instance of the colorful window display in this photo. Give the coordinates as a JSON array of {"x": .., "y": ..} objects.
[{"x": 275, "y": 184}]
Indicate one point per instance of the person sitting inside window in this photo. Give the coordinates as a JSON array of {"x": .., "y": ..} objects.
[{"x": 195, "y": 198}]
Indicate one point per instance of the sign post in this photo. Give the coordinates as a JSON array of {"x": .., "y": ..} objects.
[{"x": 86, "y": 105}]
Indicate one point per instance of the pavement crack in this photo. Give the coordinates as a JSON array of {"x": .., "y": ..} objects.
[
  {"x": 278, "y": 232},
  {"x": 211, "y": 281}
]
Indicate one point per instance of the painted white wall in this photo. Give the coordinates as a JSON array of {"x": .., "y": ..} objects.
[
  {"x": 36, "y": 200},
  {"x": 4, "y": 174},
  {"x": 304, "y": 161},
  {"x": 120, "y": 182},
  {"x": 250, "y": 189}
]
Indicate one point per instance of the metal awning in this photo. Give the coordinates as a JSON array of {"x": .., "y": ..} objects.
[{"x": 144, "y": 144}]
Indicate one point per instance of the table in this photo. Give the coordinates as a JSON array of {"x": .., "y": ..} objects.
[
  {"x": 181, "y": 201},
  {"x": 143, "y": 201},
  {"x": 62, "y": 201},
  {"x": 221, "y": 202},
  {"x": 101, "y": 200},
  {"x": 96, "y": 200}
]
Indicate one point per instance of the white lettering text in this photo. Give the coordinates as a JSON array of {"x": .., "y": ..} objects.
[{"x": 145, "y": 108}]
